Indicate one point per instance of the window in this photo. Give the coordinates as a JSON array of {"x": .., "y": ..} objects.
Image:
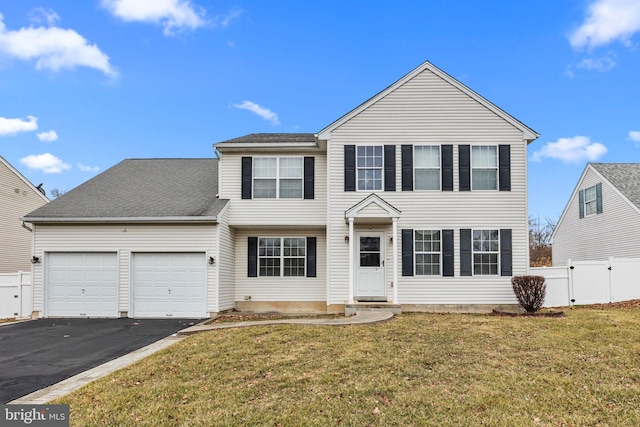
[
  {"x": 426, "y": 160},
  {"x": 369, "y": 168},
  {"x": 484, "y": 167},
  {"x": 590, "y": 201},
  {"x": 281, "y": 256},
  {"x": 277, "y": 177},
  {"x": 427, "y": 250},
  {"x": 486, "y": 251}
]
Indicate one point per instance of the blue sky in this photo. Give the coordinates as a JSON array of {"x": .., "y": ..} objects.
[{"x": 84, "y": 85}]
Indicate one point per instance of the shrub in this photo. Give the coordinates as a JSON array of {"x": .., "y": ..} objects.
[{"x": 530, "y": 291}]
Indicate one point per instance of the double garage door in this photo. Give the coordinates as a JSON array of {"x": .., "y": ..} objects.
[{"x": 163, "y": 285}]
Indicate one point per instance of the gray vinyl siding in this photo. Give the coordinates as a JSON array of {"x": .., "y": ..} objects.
[
  {"x": 279, "y": 288},
  {"x": 613, "y": 233},
  {"x": 225, "y": 262},
  {"x": 17, "y": 198},
  {"x": 273, "y": 212},
  {"x": 426, "y": 110},
  {"x": 125, "y": 239}
]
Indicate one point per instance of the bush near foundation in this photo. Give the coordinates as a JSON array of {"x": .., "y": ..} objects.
[{"x": 530, "y": 291}]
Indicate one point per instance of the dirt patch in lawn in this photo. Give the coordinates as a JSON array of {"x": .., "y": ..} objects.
[
  {"x": 633, "y": 304},
  {"x": 251, "y": 317},
  {"x": 10, "y": 319},
  {"x": 544, "y": 313}
]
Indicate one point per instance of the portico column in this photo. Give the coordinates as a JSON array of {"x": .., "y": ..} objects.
[
  {"x": 351, "y": 267},
  {"x": 395, "y": 259}
]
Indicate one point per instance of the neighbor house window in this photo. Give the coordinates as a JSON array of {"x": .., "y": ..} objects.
[
  {"x": 427, "y": 252},
  {"x": 590, "y": 201},
  {"x": 369, "y": 168},
  {"x": 484, "y": 167},
  {"x": 426, "y": 163},
  {"x": 486, "y": 251},
  {"x": 281, "y": 256},
  {"x": 277, "y": 177}
]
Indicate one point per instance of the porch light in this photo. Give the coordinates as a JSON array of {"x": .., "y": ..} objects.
[
  {"x": 212, "y": 260},
  {"x": 35, "y": 260},
  {"x": 346, "y": 239}
]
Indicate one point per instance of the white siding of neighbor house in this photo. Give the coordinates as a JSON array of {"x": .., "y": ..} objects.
[
  {"x": 225, "y": 262},
  {"x": 17, "y": 198},
  {"x": 125, "y": 239},
  {"x": 263, "y": 289},
  {"x": 613, "y": 233},
  {"x": 427, "y": 110},
  {"x": 272, "y": 212}
]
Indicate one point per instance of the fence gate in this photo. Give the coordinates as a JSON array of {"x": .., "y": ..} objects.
[{"x": 591, "y": 282}]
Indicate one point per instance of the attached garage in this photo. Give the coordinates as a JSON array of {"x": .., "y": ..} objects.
[
  {"x": 169, "y": 285},
  {"x": 81, "y": 284}
]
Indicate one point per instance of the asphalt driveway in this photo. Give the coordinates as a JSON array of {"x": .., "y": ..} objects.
[{"x": 39, "y": 353}]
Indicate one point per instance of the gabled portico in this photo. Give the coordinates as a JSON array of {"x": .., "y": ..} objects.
[{"x": 367, "y": 272}]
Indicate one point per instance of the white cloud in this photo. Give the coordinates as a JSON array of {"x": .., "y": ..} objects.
[
  {"x": 13, "y": 126},
  {"x": 40, "y": 15},
  {"x": 606, "y": 22},
  {"x": 47, "y": 163},
  {"x": 571, "y": 150},
  {"x": 225, "y": 20},
  {"x": 85, "y": 168},
  {"x": 53, "y": 48},
  {"x": 171, "y": 14},
  {"x": 48, "y": 136},
  {"x": 634, "y": 135},
  {"x": 604, "y": 63},
  {"x": 261, "y": 111}
]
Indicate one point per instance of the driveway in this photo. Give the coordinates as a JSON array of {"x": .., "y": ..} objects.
[{"x": 39, "y": 353}]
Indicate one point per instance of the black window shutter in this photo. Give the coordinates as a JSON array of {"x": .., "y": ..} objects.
[
  {"x": 464, "y": 167},
  {"x": 349, "y": 168},
  {"x": 504, "y": 162},
  {"x": 407, "y": 252},
  {"x": 466, "y": 264},
  {"x": 581, "y": 203},
  {"x": 447, "y": 253},
  {"x": 447, "y": 167},
  {"x": 246, "y": 177},
  {"x": 506, "y": 266},
  {"x": 599, "y": 198},
  {"x": 252, "y": 270},
  {"x": 311, "y": 257},
  {"x": 309, "y": 163},
  {"x": 407, "y": 167},
  {"x": 389, "y": 168}
]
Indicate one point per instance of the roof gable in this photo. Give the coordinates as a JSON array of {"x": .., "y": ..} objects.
[
  {"x": 528, "y": 133},
  {"x": 23, "y": 179}
]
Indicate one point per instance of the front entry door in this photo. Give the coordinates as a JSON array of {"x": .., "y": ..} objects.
[{"x": 370, "y": 274}]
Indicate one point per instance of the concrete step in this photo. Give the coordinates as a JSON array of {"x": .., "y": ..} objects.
[{"x": 350, "y": 309}]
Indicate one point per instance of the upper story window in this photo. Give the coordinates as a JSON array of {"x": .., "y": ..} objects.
[
  {"x": 484, "y": 167},
  {"x": 277, "y": 177},
  {"x": 426, "y": 164},
  {"x": 590, "y": 200},
  {"x": 369, "y": 165},
  {"x": 427, "y": 252},
  {"x": 486, "y": 251}
]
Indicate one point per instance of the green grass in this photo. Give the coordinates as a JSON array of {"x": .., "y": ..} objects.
[{"x": 419, "y": 369}]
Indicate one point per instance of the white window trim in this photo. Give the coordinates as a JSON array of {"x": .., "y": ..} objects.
[
  {"x": 282, "y": 257},
  {"x": 363, "y": 168},
  {"x": 415, "y": 253},
  {"x": 471, "y": 167},
  {"x": 439, "y": 168},
  {"x": 594, "y": 201},
  {"x": 277, "y": 178},
  {"x": 474, "y": 252}
]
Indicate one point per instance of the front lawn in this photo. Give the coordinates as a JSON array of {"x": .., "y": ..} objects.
[{"x": 418, "y": 369}]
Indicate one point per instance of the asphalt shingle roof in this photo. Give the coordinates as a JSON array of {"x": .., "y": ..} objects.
[
  {"x": 274, "y": 138},
  {"x": 624, "y": 176},
  {"x": 143, "y": 188}
]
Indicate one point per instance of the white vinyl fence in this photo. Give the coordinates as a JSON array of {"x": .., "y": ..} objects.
[
  {"x": 591, "y": 282},
  {"x": 15, "y": 295}
]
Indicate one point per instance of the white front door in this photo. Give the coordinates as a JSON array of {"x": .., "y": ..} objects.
[{"x": 369, "y": 268}]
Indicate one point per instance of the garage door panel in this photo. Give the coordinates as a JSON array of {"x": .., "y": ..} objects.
[{"x": 169, "y": 285}]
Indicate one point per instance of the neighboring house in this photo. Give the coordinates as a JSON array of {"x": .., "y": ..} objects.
[
  {"x": 17, "y": 198},
  {"x": 418, "y": 197},
  {"x": 602, "y": 217}
]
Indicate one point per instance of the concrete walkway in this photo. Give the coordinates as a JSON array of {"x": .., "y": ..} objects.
[{"x": 71, "y": 384}]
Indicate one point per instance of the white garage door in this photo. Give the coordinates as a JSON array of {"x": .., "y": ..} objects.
[
  {"x": 169, "y": 285},
  {"x": 81, "y": 285}
]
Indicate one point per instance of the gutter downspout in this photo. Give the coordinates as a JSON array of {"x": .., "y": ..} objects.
[{"x": 25, "y": 226}]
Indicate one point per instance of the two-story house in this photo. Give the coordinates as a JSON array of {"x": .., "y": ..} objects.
[{"x": 417, "y": 197}]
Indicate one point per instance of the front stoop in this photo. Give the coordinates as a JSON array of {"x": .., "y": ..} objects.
[{"x": 351, "y": 309}]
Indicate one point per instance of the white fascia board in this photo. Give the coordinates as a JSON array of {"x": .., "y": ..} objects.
[
  {"x": 573, "y": 195},
  {"x": 25, "y": 180},
  {"x": 128, "y": 220}
]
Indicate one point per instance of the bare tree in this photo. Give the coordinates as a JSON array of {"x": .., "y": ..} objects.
[
  {"x": 540, "y": 233},
  {"x": 55, "y": 193}
]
